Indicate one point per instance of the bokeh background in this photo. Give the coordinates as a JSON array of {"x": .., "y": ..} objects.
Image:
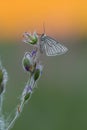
[{"x": 60, "y": 102}]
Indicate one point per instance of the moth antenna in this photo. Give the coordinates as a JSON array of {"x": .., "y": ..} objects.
[
  {"x": 43, "y": 30},
  {"x": 44, "y": 27}
]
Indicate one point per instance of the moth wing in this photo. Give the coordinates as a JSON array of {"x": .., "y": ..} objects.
[{"x": 53, "y": 48}]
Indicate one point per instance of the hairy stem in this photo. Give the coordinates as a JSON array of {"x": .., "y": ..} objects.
[{"x": 0, "y": 104}]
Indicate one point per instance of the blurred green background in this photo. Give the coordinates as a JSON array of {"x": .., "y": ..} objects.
[{"x": 60, "y": 101}]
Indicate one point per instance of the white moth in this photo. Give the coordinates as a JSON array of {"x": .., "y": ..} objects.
[{"x": 51, "y": 46}]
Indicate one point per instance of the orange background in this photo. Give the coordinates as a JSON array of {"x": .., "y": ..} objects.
[{"x": 60, "y": 16}]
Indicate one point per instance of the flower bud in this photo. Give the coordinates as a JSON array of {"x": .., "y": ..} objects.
[
  {"x": 36, "y": 74},
  {"x": 1, "y": 88},
  {"x": 1, "y": 76},
  {"x": 1, "y": 81},
  {"x": 30, "y": 39},
  {"x": 28, "y": 63},
  {"x": 27, "y": 96}
]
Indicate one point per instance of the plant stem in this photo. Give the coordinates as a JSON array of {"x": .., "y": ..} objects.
[{"x": 1, "y": 102}]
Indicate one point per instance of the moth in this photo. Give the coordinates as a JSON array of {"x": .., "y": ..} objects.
[{"x": 50, "y": 45}]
